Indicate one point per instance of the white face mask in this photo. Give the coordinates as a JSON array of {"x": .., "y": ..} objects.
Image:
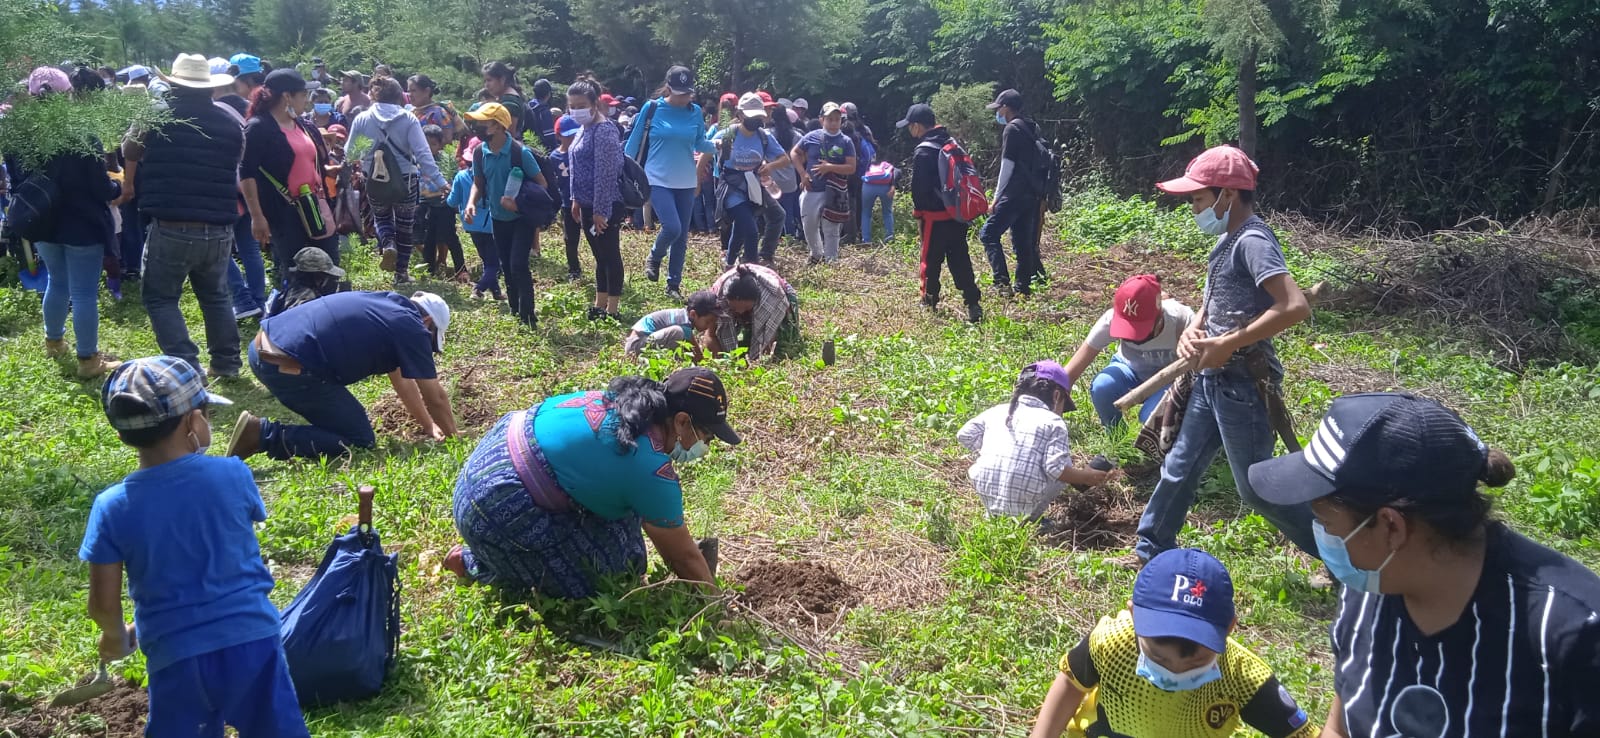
[
  {"x": 202, "y": 448},
  {"x": 1208, "y": 221},
  {"x": 582, "y": 115}
]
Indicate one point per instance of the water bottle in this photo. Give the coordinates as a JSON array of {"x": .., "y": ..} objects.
[
  {"x": 514, "y": 182},
  {"x": 309, "y": 203}
]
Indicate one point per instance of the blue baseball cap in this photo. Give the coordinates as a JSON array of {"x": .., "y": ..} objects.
[
  {"x": 567, "y": 126},
  {"x": 1184, "y": 593},
  {"x": 246, "y": 63},
  {"x": 161, "y": 387},
  {"x": 134, "y": 72}
]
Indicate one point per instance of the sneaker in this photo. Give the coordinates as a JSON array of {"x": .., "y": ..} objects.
[
  {"x": 56, "y": 348},
  {"x": 596, "y": 314},
  {"x": 930, "y": 301},
  {"x": 652, "y": 270},
  {"x": 576, "y": 277},
  {"x": 974, "y": 313},
  {"x": 1023, "y": 291},
  {"x": 96, "y": 365},
  {"x": 477, "y": 294},
  {"x": 615, "y": 318},
  {"x": 673, "y": 293},
  {"x": 500, "y": 296},
  {"x": 389, "y": 259},
  {"x": 242, "y": 315},
  {"x": 401, "y": 278},
  {"x": 813, "y": 261},
  {"x": 246, "y": 438},
  {"x": 213, "y": 373},
  {"x": 1004, "y": 290}
]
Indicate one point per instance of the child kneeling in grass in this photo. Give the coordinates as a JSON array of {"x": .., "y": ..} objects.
[
  {"x": 1024, "y": 459},
  {"x": 1168, "y": 667},
  {"x": 183, "y": 525},
  {"x": 666, "y": 329}
]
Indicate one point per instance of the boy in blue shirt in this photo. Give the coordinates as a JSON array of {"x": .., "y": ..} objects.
[
  {"x": 478, "y": 228},
  {"x": 566, "y": 131},
  {"x": 183, "y": 526},
  {"x": 669, "y": 327}
]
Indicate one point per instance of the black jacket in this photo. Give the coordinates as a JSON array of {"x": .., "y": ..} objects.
[
  {"x": 190, "y": 166},
  {"x": 82, "y": 214},
  {"x": 925, "y": 184},
  {"x": 266, "y": 148}
]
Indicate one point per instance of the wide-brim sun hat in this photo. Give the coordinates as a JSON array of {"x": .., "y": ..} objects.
[{"x": 194, "y": 71}]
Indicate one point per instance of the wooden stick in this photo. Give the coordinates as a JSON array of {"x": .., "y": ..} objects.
[{"x": 1151, "y": 385}]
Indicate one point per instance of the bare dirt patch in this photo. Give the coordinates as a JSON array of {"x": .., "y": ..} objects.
[
  {"x": 777, "y": 586},
  {"x": 118, "y": 714},
  {"x": 1097, "y": 519}
]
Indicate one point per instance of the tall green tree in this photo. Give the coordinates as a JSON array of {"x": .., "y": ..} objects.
[{"x": 284, "y": 26}]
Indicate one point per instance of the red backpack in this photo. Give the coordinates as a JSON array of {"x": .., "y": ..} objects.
[{"x": 959, "y": 184}]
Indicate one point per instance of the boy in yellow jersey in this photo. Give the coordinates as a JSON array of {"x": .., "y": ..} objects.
[{"x": 1168, "y": 669}]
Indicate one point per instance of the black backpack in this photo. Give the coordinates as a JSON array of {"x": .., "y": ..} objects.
[
  {"x": 392, "y": 189},
  {"x": 539, "y": 204},
  {"x": 1049, "y": 175},
  {"x": 32, "y": 214}
]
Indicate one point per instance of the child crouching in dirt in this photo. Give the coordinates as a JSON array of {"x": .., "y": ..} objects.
[
  {"x": 1024, "y": 459},
  {"x": 667, "y": 329},
  {"x": 183, "y": 526},
  {"x": 1166, "y": 666}
]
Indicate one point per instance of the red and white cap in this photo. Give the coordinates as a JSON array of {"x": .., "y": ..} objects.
[
  {"x": 1227, "y": 167},
  {"x": 1135, "y": 308}
]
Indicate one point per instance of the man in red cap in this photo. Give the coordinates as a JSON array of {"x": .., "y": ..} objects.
[
  {"x": 1249, "y": 298},
  {"x": 1148, "y": 328}
]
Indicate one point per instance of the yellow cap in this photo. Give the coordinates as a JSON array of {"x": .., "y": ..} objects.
[{"x": 492, "y": 111}]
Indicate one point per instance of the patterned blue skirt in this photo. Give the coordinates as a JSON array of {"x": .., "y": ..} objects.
[{"x": 515, "y": 544}]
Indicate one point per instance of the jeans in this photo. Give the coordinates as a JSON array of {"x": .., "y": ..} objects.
[
  {"x": 513, "y": 246},
  {"x": 705, "y": 208},
  {"x": 872, "y": 194},
  {"x": 74, "y": 278},
  {"x": 822, "y": 235},
  {"x": 1111, "y": 384},
  {"x": 1225, "y": 413},
  {"x": 338, "y": 422},
  {"x": 199, "y": 254},
  {"x": 250, "y": 286},
  {"x": 772, "y": 218},
  {"x": 246, "y": 686},
  {"x": 791, "y": 209},
  {"x": 1021, "y": 217},
  {"x": 490, "y": 281},
  {"x": 673, "y": 208},
  {"x": 746, "y": 236}
]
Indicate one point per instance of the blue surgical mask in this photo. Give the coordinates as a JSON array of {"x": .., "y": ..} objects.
[
  {"x": 323, "y": 108},
  {"x": 1209, "y": 223},
  {"x": 1000, "y": 118},
  {"x": 1336, "y": 556},
  {"x": 1169, "y": 681},
  {"x": 682, "y": 455}
]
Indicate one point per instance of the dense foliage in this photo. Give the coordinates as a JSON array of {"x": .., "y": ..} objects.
[{"x": 1426, "y": 111}]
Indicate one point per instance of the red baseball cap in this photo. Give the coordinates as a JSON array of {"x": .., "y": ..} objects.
[
  {"x": 728, "y": 98},
  {"x": 608, "y": 100},
  {"x": 1136, "y": 307},
  {"x": 766, "y": 97},
  {"x": 1220, "y": 166}
]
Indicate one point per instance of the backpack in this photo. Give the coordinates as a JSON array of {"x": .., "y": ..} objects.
[
  {"x": 1049, "y": 175},
  {"x": 33, "y": 204},
  {"x": 959, "y": 184},
  {"x": 540, "y": 204},
  {"x": 633, "y": 184},
  {"x": 386, "y": 183},
  {"x": 341, "y": 633},
  {"x": 881, "y": 173}
]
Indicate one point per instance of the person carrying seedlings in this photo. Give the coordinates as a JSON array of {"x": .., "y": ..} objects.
[
  {"x": 1450, "y": 622},
  {"x": 944, "y": 239},
  {"x": 310, "y": 355},
  {"x": 1147, "y": 326},
  {"x": 669, "y": 328},
  {"x": 183, "y": 527},
  {"x": 758, "y": 310},
  {"x": 1250, "y": 297},
  {"x": 554, "y": 497},
  {"x": 1167, "y": 666},
  {"x": 1024, "y": 457}
]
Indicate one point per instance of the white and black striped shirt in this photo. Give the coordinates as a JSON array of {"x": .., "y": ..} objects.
[{"x": 1523, "y": 661}]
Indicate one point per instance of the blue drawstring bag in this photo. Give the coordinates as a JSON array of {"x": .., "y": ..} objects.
[{"x": 341, "y": 633}]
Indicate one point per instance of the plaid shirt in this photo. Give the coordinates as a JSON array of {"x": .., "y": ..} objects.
[
  {"x": 764, "y": 320},
  {"x": 1018, "y": 471}
]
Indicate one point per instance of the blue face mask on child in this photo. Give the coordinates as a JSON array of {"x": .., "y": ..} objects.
[
  {"x": 323, "y": 108},
  {"x": 1167, "y": 680}
]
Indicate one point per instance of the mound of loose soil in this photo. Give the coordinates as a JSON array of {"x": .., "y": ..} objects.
[
  {"x": 474, "y": 400},
  {"x": 815, "y": 588},
  {"x": 118, "y": 714},
  {"x": 1094, "y": 519}
]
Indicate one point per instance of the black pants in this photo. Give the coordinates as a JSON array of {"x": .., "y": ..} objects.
[
  {"x": 439, "y": 229},
  {"x": 607, "y": 250},
  {"x": 513, "y": 244},
  {"x": 288, "y": 237},
  {"x": 945, "y": 242},
  {"x": 570, "y": 231},
  {"x": 851, "y": 232},
  {"x": 1021, "y": 217}
]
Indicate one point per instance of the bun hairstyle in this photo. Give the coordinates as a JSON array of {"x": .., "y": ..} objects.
[
  {"x": 1457, "y": 518},
  {"x": 585, "y": 87},
  {"x": 641, "y": 403},
  {"x": 387, "y": 90},
  {"x": 1498, "y": 469},
  {"x": 744, "y": 285}
]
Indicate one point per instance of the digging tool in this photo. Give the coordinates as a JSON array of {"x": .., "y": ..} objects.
[
  {"x": 100, "y": 685},
  {"x": 1150, "y": 386}
]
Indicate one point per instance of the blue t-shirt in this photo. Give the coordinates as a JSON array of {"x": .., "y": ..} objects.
[
  {"x": 559, "y": 159},
  {"x": 748, "y": 154},
  {"x": 460, "y": 192},
  {"x": 822, "y": 147},
  {"x": 184, "y": 533},
  {"x": 664, "y": 318},
  {"x": 349, "y": 336},
  {"x": 577, "y": 434},
  {"x": 494, "y": 167},
  {"x": 675, "y": 134}
]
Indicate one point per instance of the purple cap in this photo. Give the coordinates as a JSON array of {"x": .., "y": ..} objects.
[{"x": 1184, "y": 593}]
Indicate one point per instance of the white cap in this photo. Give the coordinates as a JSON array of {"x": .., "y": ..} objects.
[
  {"x": 752, "y": 106},
  {"x": 800, "y": 102},
  {"x": 435, "y": 307}
]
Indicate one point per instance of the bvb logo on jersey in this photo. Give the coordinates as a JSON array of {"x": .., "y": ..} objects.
[{"x": 1218, "y": 715}]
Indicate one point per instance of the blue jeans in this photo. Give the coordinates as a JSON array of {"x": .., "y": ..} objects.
[
  {"x": 673, "y": 208},
  {"x": 791, "y": 211},
  {"x": 1225, "y": 413},
  {"x": 705, "y": 208},
  {"x": 338, "y": 422},
  {"x": 1111, "y": 384},
  {"x": 1021, "y": 217},
  {"x": 200, "y": 255},
  {"x": 873, "y": 194},
  {"x": 746, "y": 237},
  {"x": 74, "y": 279},
  {"x": 246, "y": 686},
  {"x": 250, "y": 286},
  {"x": 484, "y": 243}
]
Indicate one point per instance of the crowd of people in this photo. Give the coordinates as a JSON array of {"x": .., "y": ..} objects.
[{"x": 1386, "y": 493}]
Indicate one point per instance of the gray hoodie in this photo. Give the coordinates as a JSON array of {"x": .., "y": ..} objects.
[{"x": 387, "y": 121}]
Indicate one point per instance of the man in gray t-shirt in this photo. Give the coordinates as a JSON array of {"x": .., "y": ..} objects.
[
  {"x": 1147, "y": 328},
  {"x": 1250, "y": 297}
]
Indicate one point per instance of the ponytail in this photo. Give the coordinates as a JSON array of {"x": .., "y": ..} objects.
[
  {"x": 263, "y": 101},
  {"x": 1033, "y": 386},
  {"x": 641, "y": 403}
]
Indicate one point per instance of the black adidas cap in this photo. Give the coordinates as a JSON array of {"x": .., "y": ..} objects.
[{"x": 699, "y": 393}]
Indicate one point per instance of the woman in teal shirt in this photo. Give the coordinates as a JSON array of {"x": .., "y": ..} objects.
[
  {"x": 554, "y": 497},
  {"x": 676, "y": 130}
]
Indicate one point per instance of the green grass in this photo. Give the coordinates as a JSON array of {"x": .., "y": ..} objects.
[{"x": 962, "y": 618}]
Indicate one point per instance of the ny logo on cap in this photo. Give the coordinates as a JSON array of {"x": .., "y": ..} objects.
[
  {"x": 1131, "y": 308},
  {"x": 1188, "y": 591}
]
